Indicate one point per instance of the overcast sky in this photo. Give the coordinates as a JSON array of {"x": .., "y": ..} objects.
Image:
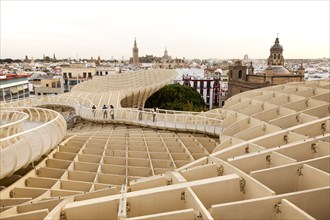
[{"x": 190, "y": 29}]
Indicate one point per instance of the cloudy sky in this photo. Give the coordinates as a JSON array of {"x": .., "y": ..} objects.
[{"x": 190, "y": 29}]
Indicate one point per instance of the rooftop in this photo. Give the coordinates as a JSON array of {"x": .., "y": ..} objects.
[{"x": 13, "y": 76}]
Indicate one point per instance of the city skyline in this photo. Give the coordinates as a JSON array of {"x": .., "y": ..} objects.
[{"x": 190, "y": 29}]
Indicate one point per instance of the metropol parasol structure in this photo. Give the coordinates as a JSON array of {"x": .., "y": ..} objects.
[{"x": 264, "y": 155}]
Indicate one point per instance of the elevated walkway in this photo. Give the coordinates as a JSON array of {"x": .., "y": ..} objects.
[{"x": 32, "y": 132}]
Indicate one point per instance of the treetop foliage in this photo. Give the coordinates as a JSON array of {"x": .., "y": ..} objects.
[{"x": 176, "y": 97}]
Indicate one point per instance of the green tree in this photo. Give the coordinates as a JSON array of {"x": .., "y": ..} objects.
[
  {"x": 176, "y": 97},
  {"x": 47, "y": 59}
]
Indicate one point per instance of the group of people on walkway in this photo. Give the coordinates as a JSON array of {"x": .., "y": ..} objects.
[
  {"x": 154, "y": 112},
  {"x": 105, "y": 111}
]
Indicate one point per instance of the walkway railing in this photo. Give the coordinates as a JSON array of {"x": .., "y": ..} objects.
[
  {"x": 206, "y": 122},
  {"x": 175, "y": 120},
  {"x": 20, "y": 149},
  {"x": 48, "y": 100},
  {"x": 11, "y": 122}
]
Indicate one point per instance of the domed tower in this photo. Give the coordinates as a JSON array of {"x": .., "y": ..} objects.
[
  {"x": 135, "y": 53},
  {"x": 276, "y": 54},
  {"x": 165, "y": 57}
]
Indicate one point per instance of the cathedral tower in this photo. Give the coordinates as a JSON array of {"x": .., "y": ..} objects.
[{"x": 135, "y": 53}]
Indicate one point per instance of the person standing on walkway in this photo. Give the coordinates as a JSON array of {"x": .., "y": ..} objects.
[
  {"x": 154, "y": 114},
  {"x": 94, "y": 110},
  {"x": 140, "y": 112},
  {"x": 112, "y": 112},
  {"x": 105, "y": 112}
]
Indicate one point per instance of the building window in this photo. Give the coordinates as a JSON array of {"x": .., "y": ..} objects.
[
  {"x": 278, "y": 56},
  {"x": 70, "y": 75},
  {"x": 240, "y": 74},
  {"x": 274, "y": 56},
  {"x": 47, "y": 85},
  {"x": 106, "y": 72},
  {"x": 216, "y": 99}
]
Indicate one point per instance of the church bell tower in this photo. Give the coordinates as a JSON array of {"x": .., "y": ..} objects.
[{"x": 135, "y": 54}]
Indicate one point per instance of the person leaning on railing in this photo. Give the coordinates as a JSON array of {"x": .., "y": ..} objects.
[
  {"x": 112, "y": 112},
  {"x": 155, "y": 110},
  {"x": 105, "y": 112},
  {"x": 94, "y": 110},
  {"x": 140, "y": 112}
]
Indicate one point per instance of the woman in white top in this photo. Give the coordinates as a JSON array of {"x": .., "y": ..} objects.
[{"x": 154, "y": 113}]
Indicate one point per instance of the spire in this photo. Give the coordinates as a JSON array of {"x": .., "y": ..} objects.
[
  {"x": 277, "y": 44},
  {"x": 277, "y": 41},
  {"x": 135, "y": 42}
]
